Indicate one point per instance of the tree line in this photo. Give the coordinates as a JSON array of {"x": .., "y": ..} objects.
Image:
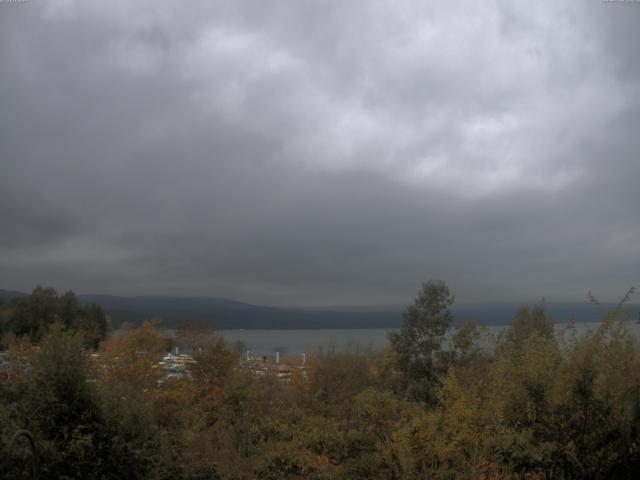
[
  {"x": 31, "y": 317},
  {"x": 529, "y": 402}
]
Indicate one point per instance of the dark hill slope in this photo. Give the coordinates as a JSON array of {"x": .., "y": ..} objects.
[{"x": 228, "y": 314}]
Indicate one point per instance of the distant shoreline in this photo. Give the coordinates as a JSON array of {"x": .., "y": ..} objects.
[{"x": 224, "y": 314}]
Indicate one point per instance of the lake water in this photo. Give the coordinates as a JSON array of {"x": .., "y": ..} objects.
[{"x": 295, "y": 342}]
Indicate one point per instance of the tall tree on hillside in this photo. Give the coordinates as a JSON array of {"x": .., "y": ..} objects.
[
  {"x": 59, "y": 406},
  {"x": 34, "y": 314},
  {"x": 526, "y": 322},
  {"x": 89, "y": 319},
  {"x": 93, "y": 322},
  {"x": 418, "y": 344},
  {"x": 68, "y": 308}
]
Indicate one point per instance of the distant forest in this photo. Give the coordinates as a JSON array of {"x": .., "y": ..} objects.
[
  {"x": 227, "y": 314},
  {"x": 537, "y": 404}
]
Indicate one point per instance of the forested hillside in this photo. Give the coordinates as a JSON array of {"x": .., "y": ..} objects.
[
  {"x": 228, "y": 314},
  {"x": 534, "y": 405}
]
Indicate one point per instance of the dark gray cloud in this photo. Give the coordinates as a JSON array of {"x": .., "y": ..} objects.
[{"x": 320, "y": 152}]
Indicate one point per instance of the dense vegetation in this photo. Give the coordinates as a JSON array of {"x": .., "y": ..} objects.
[
  {"x": 31, "y": 316},
  {"x": 532, "y": 403}
]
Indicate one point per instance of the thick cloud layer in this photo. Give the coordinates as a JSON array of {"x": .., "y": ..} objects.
[{"x": 321, "y": 153}]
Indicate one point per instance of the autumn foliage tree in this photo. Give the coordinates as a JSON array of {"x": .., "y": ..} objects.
[
  {"x": 192, "y": 335},
  {"x": 533, "y": 402}
]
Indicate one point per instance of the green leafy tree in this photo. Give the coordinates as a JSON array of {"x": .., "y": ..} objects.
[
  {"x": 55, "y": 398},
  {"x": 68, "y": 308},
  {"x": 34, "y": 314},
  {"x": 419, "y": 341},
  {"x": 528, "y": 321},
  {"x": 92, "y": 322}
]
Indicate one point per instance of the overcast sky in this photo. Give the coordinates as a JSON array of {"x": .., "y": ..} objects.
[{"x": 321, "y": 153}]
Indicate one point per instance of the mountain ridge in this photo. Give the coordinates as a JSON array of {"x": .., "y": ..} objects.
[{"x": 231, "y": 314}]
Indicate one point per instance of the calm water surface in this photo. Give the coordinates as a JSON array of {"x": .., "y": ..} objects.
[{"x": 295, "y": 342}]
